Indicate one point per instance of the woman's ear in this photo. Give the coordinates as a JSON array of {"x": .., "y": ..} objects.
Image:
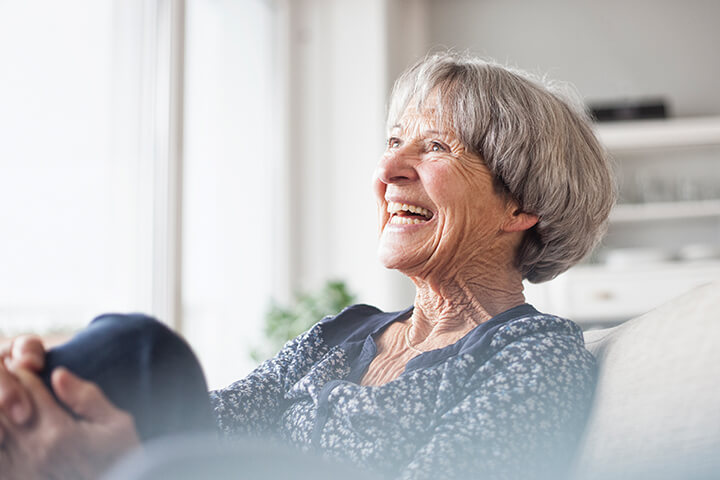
[{"x": 519, "y": 221}]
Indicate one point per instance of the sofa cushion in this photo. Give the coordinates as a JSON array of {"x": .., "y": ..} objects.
[{"x": 656, "y": 411}]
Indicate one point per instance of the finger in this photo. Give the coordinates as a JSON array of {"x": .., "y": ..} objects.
[
  {"x": 15, "y": 402},
  {"x": 82, "y": 397},
  {"x": 28, "y": 352},
  {"x": 40, "y": 395}
]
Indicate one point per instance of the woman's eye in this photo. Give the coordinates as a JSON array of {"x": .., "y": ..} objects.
[
  {"x": 393, "y": 143},
  {"x": 436, "y": 147}
]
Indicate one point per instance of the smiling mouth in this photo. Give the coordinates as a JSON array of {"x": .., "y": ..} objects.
[{"x": 405, "y": 214}]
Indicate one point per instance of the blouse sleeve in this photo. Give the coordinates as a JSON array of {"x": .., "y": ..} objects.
[
  {"x": 523, "y": 419},
  {"x": 252, "y": 406}
]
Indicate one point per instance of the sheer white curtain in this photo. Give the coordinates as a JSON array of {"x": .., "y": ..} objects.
[
  {"x": 90, "y": 151},
  {"x": 72, "y": 232}
]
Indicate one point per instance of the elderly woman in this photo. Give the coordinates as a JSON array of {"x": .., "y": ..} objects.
[{"x": 488, "y": 178}]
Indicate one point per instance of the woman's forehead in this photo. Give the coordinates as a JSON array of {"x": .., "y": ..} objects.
[{"x": 415, "y": 120}]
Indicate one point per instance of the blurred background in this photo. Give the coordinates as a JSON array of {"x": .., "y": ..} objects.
[{"x": 198, "y": 159}]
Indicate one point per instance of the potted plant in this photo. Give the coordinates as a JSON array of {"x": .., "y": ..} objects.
[{"x": 283, "y": 323}]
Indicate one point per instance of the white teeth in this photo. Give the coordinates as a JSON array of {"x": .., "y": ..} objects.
[
  {"x": 394, "y": 207},
  {"x": 395, "y": 220}
]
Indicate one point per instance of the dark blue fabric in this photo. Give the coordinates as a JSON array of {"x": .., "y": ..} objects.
[{"x": 144, "y": 368}]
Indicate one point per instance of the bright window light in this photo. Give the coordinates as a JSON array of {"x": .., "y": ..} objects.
[
  {"x": 79, "y": 168},
  {"x": 229, "y": 193},
  {"x": 70, "y": 199}
]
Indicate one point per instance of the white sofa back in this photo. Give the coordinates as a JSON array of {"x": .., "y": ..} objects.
[{"x": 656, "y": 411}]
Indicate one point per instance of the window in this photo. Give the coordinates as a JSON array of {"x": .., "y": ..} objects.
[
  {"x": 230, "y": 189},
  {"x": 137, "y": 165},
  {"x": 71, "y": 173}
]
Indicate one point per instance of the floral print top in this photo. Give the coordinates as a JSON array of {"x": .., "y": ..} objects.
[{"x": 507, "y": 400}]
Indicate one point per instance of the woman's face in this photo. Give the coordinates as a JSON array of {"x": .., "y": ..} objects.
[{"x": 438, "y": 209}]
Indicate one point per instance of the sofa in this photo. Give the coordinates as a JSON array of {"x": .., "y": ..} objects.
[{"x": 656, "y": 409}]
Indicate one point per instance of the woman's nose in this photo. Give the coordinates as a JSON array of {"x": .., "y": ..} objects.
[{"x": 397, "y": 167}]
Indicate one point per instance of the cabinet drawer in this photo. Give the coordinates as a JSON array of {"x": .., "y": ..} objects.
[{"x": 598, "y": 293}]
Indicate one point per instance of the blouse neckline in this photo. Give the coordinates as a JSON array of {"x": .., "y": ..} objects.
[{"x": 361, "y": 350}]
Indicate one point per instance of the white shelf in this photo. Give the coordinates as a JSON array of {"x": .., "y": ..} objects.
[
  {"x": 597, "y": 294},
  {"x": 658, "y": 134},
  {"x": 627, "y": 213},
  {"x": 652, "y": 269}
]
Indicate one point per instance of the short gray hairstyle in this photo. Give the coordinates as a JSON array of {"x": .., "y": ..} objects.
[{"x": 537, "y": 140}]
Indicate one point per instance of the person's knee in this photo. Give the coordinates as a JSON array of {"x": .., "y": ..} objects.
[
  {"x": 135, "y": 337},
  {"x": 143, "y": 367},
  {"x": 147, "y": 346},
  {"x": 130, "y": 327}
]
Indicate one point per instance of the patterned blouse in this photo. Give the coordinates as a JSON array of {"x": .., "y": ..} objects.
[{"x": 509, "y": 399}]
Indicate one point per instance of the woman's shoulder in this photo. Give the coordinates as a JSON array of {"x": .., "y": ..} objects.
[
  {"x": 536, "y": 325},
  {"x": 544, "y": 343},
  {"x": 522, "y": 324},
  {"x": 526, "y": 336},
  {"x": 534, "y": 350}
]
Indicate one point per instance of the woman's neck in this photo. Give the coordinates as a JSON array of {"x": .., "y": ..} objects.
[{"x": 446, "y": 310}]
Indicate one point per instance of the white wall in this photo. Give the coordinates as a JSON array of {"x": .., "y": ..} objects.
[
  {"x": 609, "y": 49},
  {"x": 338, "y": 89}
]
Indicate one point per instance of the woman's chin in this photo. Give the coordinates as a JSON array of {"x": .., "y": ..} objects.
[
  {"x": 396, "y": 257},
  {"x": 401, "y": 247}
]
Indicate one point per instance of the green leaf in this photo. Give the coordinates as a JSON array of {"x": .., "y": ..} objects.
[{"x": 283, "y": 323}]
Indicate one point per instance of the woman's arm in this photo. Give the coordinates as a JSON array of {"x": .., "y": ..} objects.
[
  {"x": 252, "y": 406},
  {"x": 524, "y": 418}
]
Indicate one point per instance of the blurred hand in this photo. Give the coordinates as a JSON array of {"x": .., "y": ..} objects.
[
  {"x": 27, "y": 352},
  {"x": 56, "y": 445}
]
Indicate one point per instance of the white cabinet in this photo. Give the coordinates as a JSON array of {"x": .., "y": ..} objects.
[{"x": 664, "y": 233}]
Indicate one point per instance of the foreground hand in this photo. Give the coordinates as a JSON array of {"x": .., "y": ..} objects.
[
  {"x": 27, "y": 352},
  {"x": 56, "y": 445}
]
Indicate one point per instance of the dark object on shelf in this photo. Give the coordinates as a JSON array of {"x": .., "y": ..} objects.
[{"x": 628, "y": 110}]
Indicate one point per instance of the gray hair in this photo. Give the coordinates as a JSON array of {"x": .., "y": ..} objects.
[{"x": 537, "y": 140}]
